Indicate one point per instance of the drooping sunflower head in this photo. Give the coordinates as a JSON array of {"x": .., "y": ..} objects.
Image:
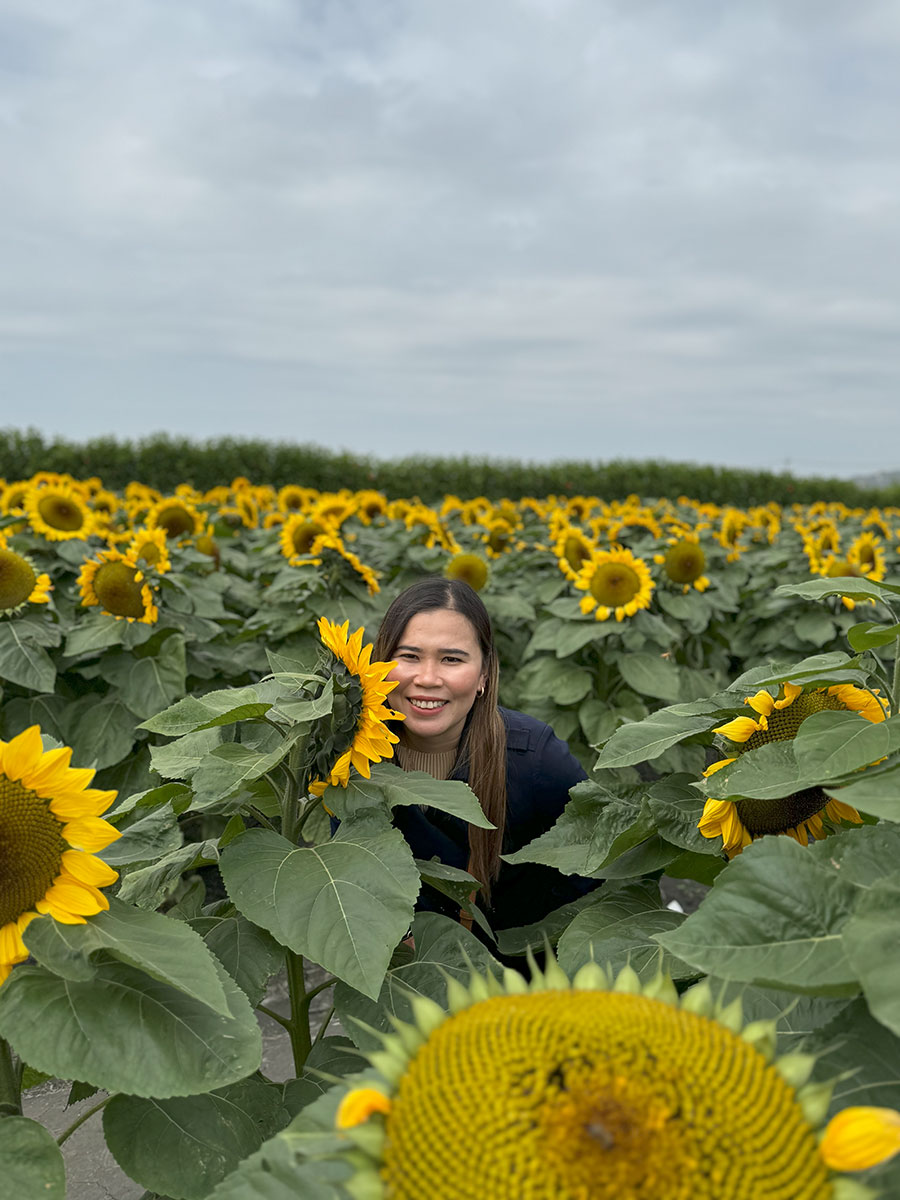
[
  {"x": 617, "y": 583},
  {"x": 12, "y": 496},
  {"x": 572, "y": 549},
  {"x": 50, "y": 827},
  {"x": 177, "y": 515},
  {"x": 802, "y": 815},
  {"x": 58, "y": 512},
  {"x": 354, "y": 734},
  {"x": 470, "y": 568},
  {"x": 114, "y": 582},
  {"x": 584, "y": 1091},
  {"x": 369, "y": 505},
  {"x": 684, "y": 562},
  {"x": 20, "y": 583}
]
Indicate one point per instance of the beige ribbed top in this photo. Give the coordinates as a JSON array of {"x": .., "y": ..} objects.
[{"x": 439, "y": 765}]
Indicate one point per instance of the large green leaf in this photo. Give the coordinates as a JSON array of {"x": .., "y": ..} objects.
[
  {"x": 181, "y": 758},
  {"x": 592, "y": 831},
  {"x": 876, "y": 792},
  {"x": 148, "y": 886},
  {"x": 861, "y": 1055},
  {"x": 344, "y": 904},
  {"x": 389, "y": 784},
  {"x": 204, "y": 712},
  {"x": 769, "y": 772},
  {"x": 150, "y": 836},
  {"x": 31, "y": 1163},
  {"x": 601, "y": 935},
  {"x": 53, "y": 713},
  {"x": 774, "y": 917},
  {"x": 442, "y": 948},
  {"x": 518, "y": 940},
  {"x": 250, "y": 955},
  {"x": 24, "y": 662},
  {"x": 123, "y": 1031},
  {"x": 676, "y": 807},
  {"x": 873, "y": 948},
  {"x": 95, "y": 631},
  {"x": 560, "y": 680},
  {"x": 868, "y": 635},
  {"x": 205, "y": 1137},
  {"x": 861, "y": 855},
  {"x": 831, "y": 744},
  {"x": 651, "y": 675},
  {"x": 847, "y": 585},
  {"x": 166, "y": 950},
  {"x": 154, "y": 681},
  {"x": 641, "y": 741},
  {"x": 103, "y": 733},
  {"x": 229, "y": 766}
]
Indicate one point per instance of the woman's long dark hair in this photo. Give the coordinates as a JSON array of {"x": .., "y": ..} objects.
[{"x": 483, "y": 744}]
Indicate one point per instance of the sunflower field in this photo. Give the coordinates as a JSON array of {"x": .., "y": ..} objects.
[{"x": 188, "y": 693}]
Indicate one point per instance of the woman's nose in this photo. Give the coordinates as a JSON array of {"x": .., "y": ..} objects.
[{"x": 427, "y": 673}]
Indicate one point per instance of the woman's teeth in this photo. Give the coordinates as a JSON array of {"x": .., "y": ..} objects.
[{"x": 428, "y": 703}]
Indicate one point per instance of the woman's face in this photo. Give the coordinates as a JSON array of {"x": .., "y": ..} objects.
[{"x": 439, "y": 672}]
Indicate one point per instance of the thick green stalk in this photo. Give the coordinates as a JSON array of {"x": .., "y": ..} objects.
[
  {"x": 301, "y": 1037},
  {"x": 10, "y": 1083}
]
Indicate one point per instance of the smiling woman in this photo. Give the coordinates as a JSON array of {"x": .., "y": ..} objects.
[{"x": 439, "y": 634}]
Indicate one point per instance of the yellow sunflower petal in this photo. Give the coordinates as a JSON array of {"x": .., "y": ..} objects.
[
  {"x": 357, "y": 1106},
  {"x": 860, "y": 1137},
  {"x": 90, "y": 833},
  {"x": 762, "y": 703},
  {"x": 741, "y": 729},
  {"x": 791, "y": 692},
  {"x": 88, "y": 869},
  {"x": 22, "y": 753},
  {"x": 717, "y": 766}
]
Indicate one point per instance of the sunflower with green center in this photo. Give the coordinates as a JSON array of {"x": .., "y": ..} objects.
[
  {"x": 617, "y": 584},
  {"x": 50, "y": 830},
  {"x": 367, "y": 737},
  {"x": 113, "y": 581},
  {"x": 584, "y": 1091},
  {"x": 20, "y": 583},
  {"x": 684, "y": 562},
  {"x": 470, "y": 568},
  {"x": 177, "y": 515},
  {"x": 151, "y": 547},
  {"x": 58, "y": 512},
  {"x": 802, "y": 814}
]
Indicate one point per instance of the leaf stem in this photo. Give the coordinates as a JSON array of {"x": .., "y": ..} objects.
[
  {"x": 895, "y": 689},
  {"x": 66, "y": 1134},
  {"x": 10, "y": 1082},
  {"x": 323, "y": 1026},
  {"x": 308, "y": 810},
  {"x": 284, "y": 1022}
]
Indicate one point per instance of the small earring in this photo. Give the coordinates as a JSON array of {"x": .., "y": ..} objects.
[{"x": 480, "y": 692}]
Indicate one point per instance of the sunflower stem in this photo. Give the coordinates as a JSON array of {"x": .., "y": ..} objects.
[
  {"x": 895, "y": 689},
  {"x": 308, "y": 809},
  {"x": 294, "y": 788},
  {"x": 301, "y": 1037},
  {"x": 10, "y": 1082},
  {"x": 67, "y": 1133}
]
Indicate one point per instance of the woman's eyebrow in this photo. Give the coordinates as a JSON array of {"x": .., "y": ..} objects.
[{"x": 443, "y": 650}]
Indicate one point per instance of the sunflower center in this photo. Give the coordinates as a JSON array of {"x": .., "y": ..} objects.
[
  {"x": 17, "y": 580},
  {"x": 784, "y": 722},
  {"x": 575, "y": 552},
  {"x": 31, "y": 847},
  {"x": 118, "y": 591},
  {"x": 60, "y": 513},
  {"x": 149, "y": 553},
  {"x": 470, "y": 569},
  {"x": 684, "y": 562},
  {"x": 175, "y": 520},
  {"x": 778, "y": 816},
  {"x": 304, "y": 535},
  {"x": 840, "y": 568},
  {"x": 603, "y": 1095},
  {"x": 614, "y": 584},
  {"x": 499, "y": 538}
]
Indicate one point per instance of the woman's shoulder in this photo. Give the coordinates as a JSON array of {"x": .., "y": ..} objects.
[{"x": 523, "y": 732}]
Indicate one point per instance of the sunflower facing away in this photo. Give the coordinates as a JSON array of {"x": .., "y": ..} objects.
[
  {"x": 802, "y": 814},
  {"x": 584, "y": 1091},
  {"x": 617, "y": 584},
  {"x": 20, "y": 583},
  {"x": 113, "y": 581},
  {"x": 365, "y": 736},
  {"x": 50, "y": 827}
]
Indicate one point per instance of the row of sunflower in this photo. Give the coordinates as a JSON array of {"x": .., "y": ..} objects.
[{"x": 200, "y": 681}]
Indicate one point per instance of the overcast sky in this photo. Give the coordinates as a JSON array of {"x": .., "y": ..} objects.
[{"x": 521, "y": 228}]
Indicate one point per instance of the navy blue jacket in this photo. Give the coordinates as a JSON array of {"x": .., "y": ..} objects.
[{"x": 540, "y": 771}]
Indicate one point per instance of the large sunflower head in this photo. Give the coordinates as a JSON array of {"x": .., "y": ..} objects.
[
  {"x": 356, "y": 734},
  {"x": 617, "y": 584},
  {"x": 50, "y": 827},
  {"x": 177, "y": 515},
  {"x": 58, "y": 512},
  {"x": 584, "y": 1091},
  {"x": 20, "y": 583},
  {"x": 802, "y": 815},
  {"x": 114, "y": 582},
  {"x": 470, "y": 568}
]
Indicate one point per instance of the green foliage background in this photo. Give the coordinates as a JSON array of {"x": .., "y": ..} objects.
[{"x": 164, "y": 462}]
